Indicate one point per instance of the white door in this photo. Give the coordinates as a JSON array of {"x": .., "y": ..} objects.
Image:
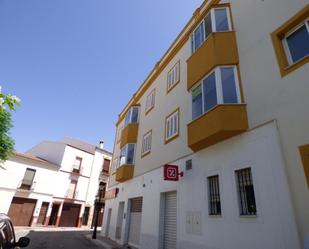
[
  {"x": 170, "y": 220},
  {"x": 119, "y": 220},
  {"x": 135, "y": 221},
  {"x": 108, "y": 221}
]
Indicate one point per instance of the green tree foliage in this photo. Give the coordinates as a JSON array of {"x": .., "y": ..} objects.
[{"x": 6, "y": 142}]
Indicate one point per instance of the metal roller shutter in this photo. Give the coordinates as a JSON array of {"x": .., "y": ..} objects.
[{"x": 170, "y": 220}]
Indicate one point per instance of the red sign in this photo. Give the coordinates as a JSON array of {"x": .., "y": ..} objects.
[
  {"x": 171, "y": 172},
  {"x": 110, "y": 194}
]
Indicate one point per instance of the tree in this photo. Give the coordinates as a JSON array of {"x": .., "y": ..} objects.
[{"x": 6, "y": 142}]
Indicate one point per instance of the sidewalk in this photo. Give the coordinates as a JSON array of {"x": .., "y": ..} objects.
[{"x": 106, "y": 243}]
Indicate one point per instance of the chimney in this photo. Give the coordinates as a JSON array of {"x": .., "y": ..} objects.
[{"x": 101, "y": 144}]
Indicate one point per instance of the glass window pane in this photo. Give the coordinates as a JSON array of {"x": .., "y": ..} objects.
[
  {"x": 134, "y": 115},
  {"x": 221, "y": 20},
  {"x": 210, "y": 92},
  {"x": 123, "y": 155},
  {"x": 208, "y": 28},
  {"x": 298, "y": 43},
  {"x": 130, "y": 156},
  {"x": 197, "y": 108},
  {"x": 228, "y": 85},
  {"x": 127, "y": 120},
  {"x": 198, "y": 36}
]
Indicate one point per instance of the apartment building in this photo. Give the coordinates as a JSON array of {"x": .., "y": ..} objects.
[
  {"x": 212, "y": 149},
  {"x": 55, "y": 183}
]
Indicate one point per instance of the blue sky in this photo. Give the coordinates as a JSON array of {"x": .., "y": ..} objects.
[{"x": 76, "y": 63}]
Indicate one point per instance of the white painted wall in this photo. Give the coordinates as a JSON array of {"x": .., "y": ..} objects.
[
  {"x": 11, "y": 177},
  {"x": 273, "y": 228}
]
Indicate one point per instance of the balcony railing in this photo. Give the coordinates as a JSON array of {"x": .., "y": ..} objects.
[{"x": 26, "y": 185}]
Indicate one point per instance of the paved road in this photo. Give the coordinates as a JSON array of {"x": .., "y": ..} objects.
[{"x": 58, "y": 239}]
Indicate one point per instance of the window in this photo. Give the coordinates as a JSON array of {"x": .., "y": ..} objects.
[
  {"x": 246, "y": 197},
  {"x": 132, "y": 116},
  {"x": 115, "y": 165},
  {"x": 219, "y": 87},
  {"x": 106, "y": 164},
  {"x": 217, "y": 20},
  {"x": 291, "y": 42},
  {"x": 296, "y": 43},
  {"x": 214, "y": 203},
  {"x": 77, "y": 165},
  {"x": 119, "y": 133},
  {"x": 150, "y": 101},
  {"x": 173, "y": 76},
  {"x": 127, "y": 154},
  {"x": 146, "y": 147},
  {"x": 72, "y": 189},
  {"x": 27, "y": 181},
  {"x": 172, "y": 126}
]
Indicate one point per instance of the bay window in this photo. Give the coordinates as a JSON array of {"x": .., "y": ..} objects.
[
  {"x": 217, "y": 20},
  {"x": 219, "y": 87},
  {"x": 127, "y": 154},
  {"x": 132, "y": 115}
]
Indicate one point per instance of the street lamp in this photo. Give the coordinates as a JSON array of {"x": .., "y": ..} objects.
[{"x": 97, "y": 207}]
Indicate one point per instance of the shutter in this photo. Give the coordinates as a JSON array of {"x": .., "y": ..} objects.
[{"x": 170, "y": 220}]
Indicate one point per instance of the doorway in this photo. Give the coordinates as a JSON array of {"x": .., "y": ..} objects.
[
  {"x": 108, "y": 221},
  {"x": 54, "y": 214},
  {"x": 119, "y": 220}
]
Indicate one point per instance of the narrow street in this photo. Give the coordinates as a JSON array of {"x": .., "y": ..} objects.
[{"x": 52, "y": 239}]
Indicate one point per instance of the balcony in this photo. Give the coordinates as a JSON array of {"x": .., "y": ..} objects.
[
  {"x": 124, "y": 173},
  {"x": 129, "y": 134},
  {"x": 216, "y": 125},
  {"x": 26, "y": 185},
  {"x": 220, "y": 48}
]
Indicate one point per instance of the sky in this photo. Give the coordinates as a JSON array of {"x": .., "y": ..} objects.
[{"x": 76, "y": 63}]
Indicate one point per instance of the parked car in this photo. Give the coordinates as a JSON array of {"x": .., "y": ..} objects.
[{"x": 7, "y": 235}]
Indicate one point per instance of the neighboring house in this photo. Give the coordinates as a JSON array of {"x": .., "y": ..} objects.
[
  {"x": 54, "y": 183},
  {"x": 227, "y": 104}
]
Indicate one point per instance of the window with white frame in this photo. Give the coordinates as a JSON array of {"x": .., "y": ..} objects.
[
  {"x": 127, "y": 154},
  {"x": 172, "y": 126},
  {"x": 217, "y": 20},
  {"x": 173, "y": 76},
  {"x": 132, "y": 116},
  {"x": 221, "y": 86},
  {"x": 146, "y": 147},
  {"x": 296, "y": 43},
  {"x": 150, "y": 100}
]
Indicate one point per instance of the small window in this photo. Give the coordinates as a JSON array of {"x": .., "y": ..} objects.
[
  {"x": 71, "y": 193},
  {"x": 150, "y": 100},
  {"x": 106, "y": 164},
  {"x": 214, "y": 203},
  {"x": 173, "y": 77},
  {"x": 296, "y": 43},
  {"x": 27, "y": 181},
  {"x": 217, "y": 20},
  {"x": 77, "y": 165},
  {"x": 132, "y": 116},
  {"x": 146, "y": 147},
  {"x": 172, "y": 126},
  {"x": 127, "y": 154},
  {"x": 291, "y": 42},
  {"x": 219, "y": 87},
  {"x": 115, "y": 165},
  {"x": 246, "y": 197},
  {"x": 119, "y": 130}
]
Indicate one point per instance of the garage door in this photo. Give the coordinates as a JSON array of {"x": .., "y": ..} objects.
[
  {"x": 21, "y": 211},
  {"x": 170, "y": 220},
  {"x": 69, "y": 215},
  {"x": 135, "y": 221}
]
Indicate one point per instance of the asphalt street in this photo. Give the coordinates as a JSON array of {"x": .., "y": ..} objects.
[{"x": 58, "y": 239}]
